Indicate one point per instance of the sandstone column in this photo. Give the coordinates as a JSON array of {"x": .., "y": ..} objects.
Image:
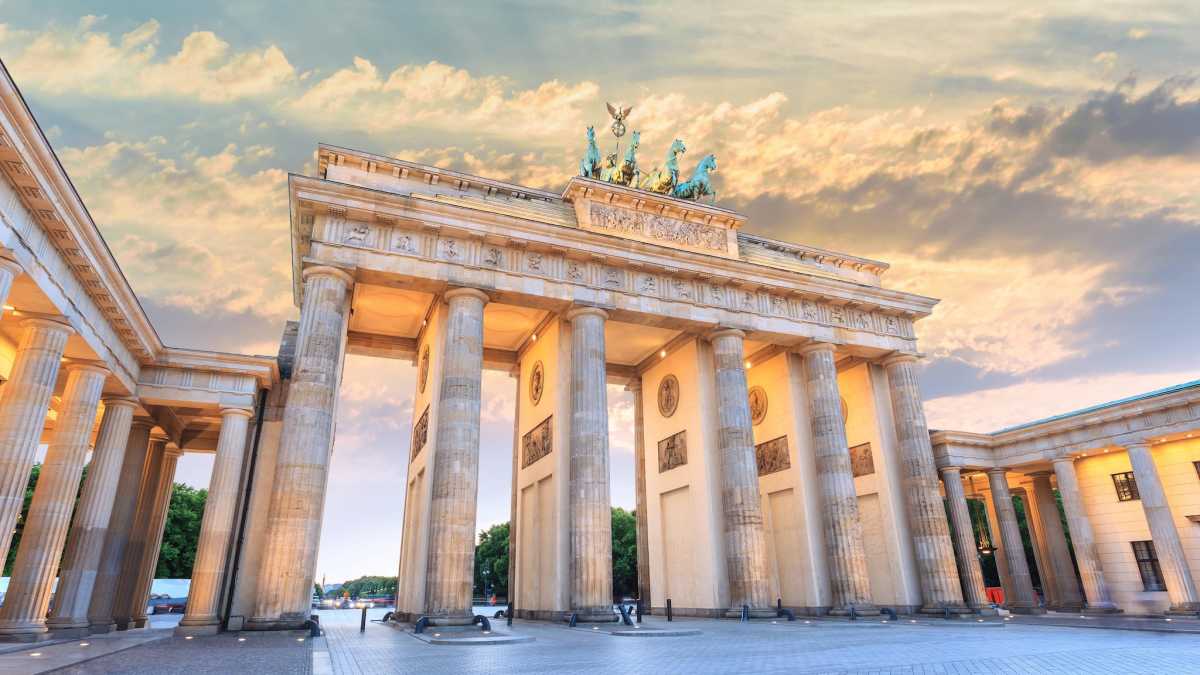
[
  {"x": 77, "y": 579},
  {"x": 940, "y": 587},
  {"x": 23, "y": 615},
  {"x": 1181, "y": 588},
  {"x": 745, "y": 539},
  {"x": 131, "y": 562},
  {"x": 848, "y": 577},
  {"x": 1020, "y": 597},
  {"x": 216, "y": 530},
  {"x": 1069, "y": 597},
  {"x": 591, "y": 507},
  {"x": 302, "y": 466},
  {"x": 450, "y": 568},
  {"x": 24, "y": 401},
  {"x": 639, "y": 479},
  {"x": 1095, "y": 589},
  {"x": 9, "y": 270},
  {"x": 964, "y": 539},
  {"x": 120, "y": 524},
  {"x": 131, "y": 610}
]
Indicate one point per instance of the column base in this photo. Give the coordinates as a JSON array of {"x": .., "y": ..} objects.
[
  {"x": 1184, "y": 609},
  {"x": 100, "y": 628},
  {"x": 940, "y": 610},
  {"x": 68, "y": 629},
  {"x": 590, "y": 615},
  {"x": 197, "y": 630},
  {"x": 1026, "y": 609},
  {"x": 24, "y": 633},
  {"x": 283, "y": 622},
  {"x": 755, "y": 613},
  {"x": 1101, "y": 608},
  {"x": 860, "y": 608},
  {"x": 986, "y": 610}
]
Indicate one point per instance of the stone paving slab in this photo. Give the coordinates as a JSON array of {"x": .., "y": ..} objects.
[{"x": 47, "y": 657}]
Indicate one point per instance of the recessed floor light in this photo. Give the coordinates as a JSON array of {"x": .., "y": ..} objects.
[{"x": 35, "y": 654}]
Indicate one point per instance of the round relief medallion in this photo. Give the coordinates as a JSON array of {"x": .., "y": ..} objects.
[
  {"x": 423, "y": 370},
  {"x": 758, "y": 405},
  {"x": 537, "y": 381},
  {"x": 668, "y": 396}
]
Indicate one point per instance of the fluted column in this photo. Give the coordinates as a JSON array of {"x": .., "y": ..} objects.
[
  {"x": 848, "y": 577},
  {"x": 77, "y": 578},
  {"x": 23, "y": 615},
  {"x": 133, "y": 613},
  {"x": 1020, "y": 596},
  {"x": 1095, "y": 590},
  {"x": 745, "y": 539},
  {"x": 120, "y": 524},
  {"x": 302, "y": 467},
  {"x": 24, "y": 400},
  {"x": 642, "y": 517},
  {"x": 1069, "y": 596},
  {"x": 9, "y": 270},
  {"x": 964, "y": 539},
  {"x": 940, "y": 588},
  {"x": 139, "y": 534},
  {"x": 1181, "y": 588},
  {"x": 216, "y": 529},
  {"x": 591, "y": 507},
  {"x": 455, "y": 468},
  {"x": 450, "y": 568}
]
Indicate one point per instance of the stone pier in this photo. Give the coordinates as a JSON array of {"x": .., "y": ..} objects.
[
  {"x": 1069, "y": 597},
  {"x": 1020, "y": 596},
  {"x": 1095, "y": 589}
]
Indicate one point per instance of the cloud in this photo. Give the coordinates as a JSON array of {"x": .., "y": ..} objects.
[
  {"x": 996, "y": 408},
  {"x": 81, "y": 60}
]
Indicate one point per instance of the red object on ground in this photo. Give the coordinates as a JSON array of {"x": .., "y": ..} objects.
[{"x": 995, "y": 594}]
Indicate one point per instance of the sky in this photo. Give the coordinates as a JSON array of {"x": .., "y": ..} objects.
[{"x": 1034, "y": 165}]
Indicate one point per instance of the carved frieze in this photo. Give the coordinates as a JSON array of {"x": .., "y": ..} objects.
[
  {"x": 862, "y": 462},
  {"x": 536, "y": 443},
  {"x": 420, "y": 434},
  {"x": 772, "y": 456},
  {"x": 672, "y": 451},
  {"x": 660, "y": 228}
]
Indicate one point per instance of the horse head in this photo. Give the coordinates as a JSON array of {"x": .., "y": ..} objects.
[
  {"x": 677, "y": 149},
  {"x": 707, "y": 165},
  {"x": 591, "y": 134}
]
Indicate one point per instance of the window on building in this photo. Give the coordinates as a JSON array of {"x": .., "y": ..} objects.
[
  {"x": 1147, "y": 562},
  {"x": 1197, "y": 465},
  {"x": 1126, "y": 486}
]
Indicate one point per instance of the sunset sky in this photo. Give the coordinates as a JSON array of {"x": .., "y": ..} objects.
[{"x": 1034, "y": 165}]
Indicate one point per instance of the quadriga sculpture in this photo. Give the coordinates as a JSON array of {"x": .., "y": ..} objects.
[
  {"x": 700, "y": 185},
  {"x": 589, "y": 166},
  {"x": 624, "y": 172},
  {"x": 663, "y": 180}
]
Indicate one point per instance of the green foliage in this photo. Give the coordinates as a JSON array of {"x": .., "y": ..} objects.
[
  {"x": 365, "y": 586},
  {"x": 491, "y": 561},
  {"x": 181, "y": 533},
  {"x": 1027, "y": 540},
  {"x": 979, "y": 523},
  {"x": 20, "y": 528},
  {"x": 624, "y": 553}
]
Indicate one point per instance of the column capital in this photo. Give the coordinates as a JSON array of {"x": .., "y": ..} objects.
[
  {"x": 1145, "y": 444},
  {"x": 120, "y": 401},
  {"x": 997, "y": 471},
  {"x": 11, "y": 266},
  {"x": 466, "y": 292},
  {"x": 897, "y": 358},
  {"x": 244, "y": 412},
  {"x": 816, "y": 347},
  {"x": 727, "y": 332},
  {"x": 948, "y": 470},
  {"x": 1063, "y": 459},
  {"x": 172, "y": 450},
  {"x": 1045, "y": 473},
  {"x": 327, "y": 271},
  {"x": 54, "y": 323},
  {"x": 585, "y": 310},
  {"x": 634, "y": 384},
  {"x": 85, "y": 366}
]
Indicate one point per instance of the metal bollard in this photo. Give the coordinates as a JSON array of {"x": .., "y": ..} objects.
[
  {"x": 362, "y": 625},
  {"x": 669, "y": 616},
  {"x": 639, "y": 610},
  {"x": 508, "y": 615}
]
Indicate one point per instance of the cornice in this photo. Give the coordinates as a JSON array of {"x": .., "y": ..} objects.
[{"x": 265, "y": 369}]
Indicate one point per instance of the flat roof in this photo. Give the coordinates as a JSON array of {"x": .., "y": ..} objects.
[{"x": 1111, "y": 404}]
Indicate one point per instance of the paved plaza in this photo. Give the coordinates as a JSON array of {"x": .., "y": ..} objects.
[{"x": 1025, "y": 645}]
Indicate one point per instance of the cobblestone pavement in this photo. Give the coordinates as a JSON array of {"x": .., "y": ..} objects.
[{"x": 730, "y": 647}]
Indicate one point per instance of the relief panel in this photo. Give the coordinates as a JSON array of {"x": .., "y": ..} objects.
[
  {"x": 672, "y": 451},
  {"x": 772, "y": 456},
  {"x": 536, "y": 443}
]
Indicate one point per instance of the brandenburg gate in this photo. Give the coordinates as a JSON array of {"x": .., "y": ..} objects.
[{"x": 781, "y": 446}]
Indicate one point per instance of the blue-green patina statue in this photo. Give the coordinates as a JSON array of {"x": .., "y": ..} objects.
[
  {"x": 623, "y": 173},
  {"x": 700, "y": 185},
  {"x": 663, "y": 180},
  {"x": 589, "y": 166}
]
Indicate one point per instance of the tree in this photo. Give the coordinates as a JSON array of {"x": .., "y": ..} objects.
[
  {"x": 181, "y": 533},
  {"x": 624, "y": 553},
  {"x": 24, "y": 516},
  {"x": 365, "y": 586},
  {"x": 491, "y": 561}
]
